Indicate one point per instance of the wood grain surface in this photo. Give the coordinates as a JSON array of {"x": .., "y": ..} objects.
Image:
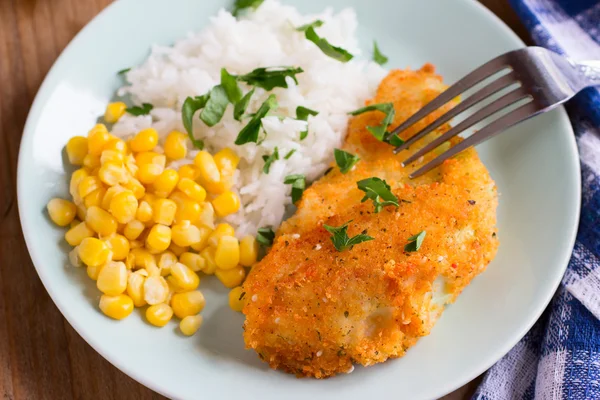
[{"x": 41, "y": 356}]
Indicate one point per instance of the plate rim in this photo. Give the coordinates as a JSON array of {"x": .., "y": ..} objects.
[{"x": 33, "y": 117}]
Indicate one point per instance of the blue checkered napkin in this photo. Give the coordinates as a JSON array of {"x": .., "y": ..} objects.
[{"x": 560, "y": 357}]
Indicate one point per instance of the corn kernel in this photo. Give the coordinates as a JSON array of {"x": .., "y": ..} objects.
[
  {"x": 111, "y": 174},
  {"x": 203, "y": 242},
  {"x": 165, "y": 261},
  {"x": 144, "y": 212},
  {"x": 110, "y": 193},
  {"x": 192, "y": 189},
  {"x": 159, "y": 314},
  {"x": 135, "y": 287},
  {"x": 114, "y": 111},
  {"x": 226, "y": 203},
  {"x": 61, "y": 211},
  {"x": 231, "y": 277},
  {"x": 187, "y": 209},
  {"x": 112, "y": 279},
  {"x": 116, "y": 144},
  {"x": 176, "y": 145},
  {"x": 88, "y": 185},
  {"x": 185, "y": 234},
  {"x": 186, "y": 278},
  {"x": 75, "y": 235},
  {"x": 227, "y": 162},
  {"x": 220, "y": 230},
  {"x": 119, "y": 245},
  {"x": 166, "y": 183},
  {"x": 116, "y": 307},
  {"x": 143, "y": 258},
  {"x": 145, "y": 140},
  {"x": 193, "y": 261},
  {"x": 190, "y": 324},
  {"x": 150, "y": 157},
  {"x": 98, "y": 137},
  {"x": 93, "y": 252},
  {"x": 173, "y": 287},
  {"x": 148, "y": 173},
  {"x": 156, "y": 290},
  {"x": 77, "y": 149},
  {"x": 93, "y": 271},
  {"x": 187, "y": 303},
  {"x": 74, "y": 259},
  {"x": 177, "y": 250},
  {"x": 248, "y": 251},
  {"x": 123, "y": 207},
  {"x": 227, "y": 254},
  {"x": 100, "y": 221},
  {"x": 159, "y": 238},
  {"x": 209, "y": 172},
  {"x": 133, "y": 229},
  {"x": 209, "y": 260},
  {"x": 76, "y": 178},
  {"x": 226, "y": 159},
  {"x": 164, "y": 211},
  {"x": 91, "y": 161},
  {"x": 237, "y": 298},
  {"x": 207, "y": 216},
  {"x": 94, "y": 198},
  {"x": 135, "y": 187},
  {"x": 74, "y": 223},
  {"x": 112, "y": 156},
  {"x": 189, "y": 171}
]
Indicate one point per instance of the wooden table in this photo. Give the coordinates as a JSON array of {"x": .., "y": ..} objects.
[{"x": 41, "y": 356}]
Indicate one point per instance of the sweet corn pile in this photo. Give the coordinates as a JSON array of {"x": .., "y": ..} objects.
[{"x": 145, "y": 232}]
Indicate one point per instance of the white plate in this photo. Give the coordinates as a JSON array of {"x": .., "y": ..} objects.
[{"x": 535, "y": 165}]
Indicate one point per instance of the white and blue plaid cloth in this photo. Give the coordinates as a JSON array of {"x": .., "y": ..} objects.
[{"x": 560, "y": 357}]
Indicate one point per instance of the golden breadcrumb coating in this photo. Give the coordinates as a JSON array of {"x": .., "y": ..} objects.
[{"x": 314, "y": 311}]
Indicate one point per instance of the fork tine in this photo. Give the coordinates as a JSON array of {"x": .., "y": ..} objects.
[
  {"x": 485, "y": 92},
  {"x": 522, "y": 113},
  {"x": 490, "y": 109},
  {"x": 471, "y": 79}
]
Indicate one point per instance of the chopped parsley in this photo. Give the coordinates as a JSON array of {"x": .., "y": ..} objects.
[
  {"x": 241, "y": 106},
  {"x": 229, "y": 83},
  {"x": 270, "y": 160},
  {"x": 415, "y": 242},
  {"x": 345, "y": 160},
  {"x": 298, "y": 183},
  {"x": 337, "y": 53},
  {"x": 265, "y": 236},
  {"x": 215, "y": 106},
  {"x": 143, "y": 110},
  {"x": 302, "y": 114},
  {"x": 245, "y": 4},
  {"x": 123, "y": 71},
  {"x": 190, "y": 106},
  {"x": 377, "y": 190},
  {"x": 378, "y": 57},
  {"x": 271, "y": 77},
  {"x": 289, "y": 154},
  {"x": 340, "y": 239},
  {"x": 379, "y": 131},
  {"x": 249, "y": 134}
]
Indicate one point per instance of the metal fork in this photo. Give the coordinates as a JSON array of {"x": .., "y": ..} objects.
[{"x": 545, "y": 80}]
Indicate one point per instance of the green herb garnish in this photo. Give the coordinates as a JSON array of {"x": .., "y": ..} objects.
[
  {"x": 271, "y": 77},
  {"x": 340, "y": 238},
  {"x": 190, "y": 106},
  {"x": 379, "y": 131},
  {"x": 143, "y": 110},
  {"x": 229, "y": 83},
  {"x": 242, "y": 105},
  {"x": 327, "y": 48},
  {"x": 378, "y": 57},
  {"x": 215, "y": 107},
  {"x": 265, "y": 236},
  {"x": 415, "y": 242},
  {"x": 298, "y": 183},
  {"x": 302, "y": 114},
  {"x": 251, "y": 131},
  {"x": 289, "y": 154},
  {"x": 377, "y": 189},
  {"x": 270, "y": 160},
  {"x": 244, "y": 4},
  {"x": 395, "y": 141},
  {"x": 345, "y": 160},
  {"x": 123, "y": 71}
]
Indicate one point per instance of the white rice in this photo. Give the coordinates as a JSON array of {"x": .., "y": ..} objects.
[{"x": 265, "y": 38}]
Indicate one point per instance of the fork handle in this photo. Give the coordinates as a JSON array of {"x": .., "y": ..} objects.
[{"x": 591, "y": 71}]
